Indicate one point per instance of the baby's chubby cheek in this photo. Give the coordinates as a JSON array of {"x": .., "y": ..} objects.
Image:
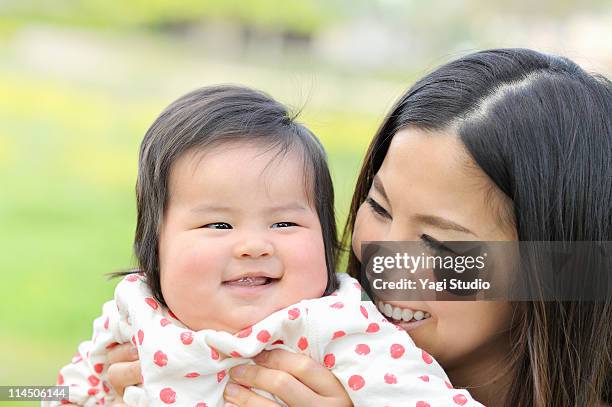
[
  {"x": 305, "y": 274},
  {"x": 189, "y": 282}
]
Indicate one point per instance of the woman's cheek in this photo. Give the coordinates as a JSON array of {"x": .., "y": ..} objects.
[{"x": 366, "y": 228}]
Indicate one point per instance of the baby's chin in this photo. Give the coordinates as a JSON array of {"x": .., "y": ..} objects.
[{"x": 227, "y": 323}]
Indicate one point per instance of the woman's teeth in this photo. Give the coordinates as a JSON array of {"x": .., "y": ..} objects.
[{"x": 401, "y": 314}]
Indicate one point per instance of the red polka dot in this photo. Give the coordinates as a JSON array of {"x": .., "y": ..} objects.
[
  {"x": 140, "y": 336},
  {"x": 167, "y": 395},
  {"x": 187, "y": 338},
  {"x": 201, "y": 404},
  {"x": 356, "y": 382},
  {"x": 397, "y": 351},
  {"x": 426, "y": 357},
  {"x": 60, "y": 379},
  {"x": 93, "y": 391},
  {"x": 93, "y": 380},
  {"x": 106, "y": 323},
  {"x": 172, "y": 314},
  {"x": 362, "y": 349},
  {"x": 425, "y": 378},
  {"x": 98, "y": 367},
  {"x": 151, "y": 302},
  {"x": 263, "y": 336},
  {"x": 329, "y": 360},
  {"x": 134, "y": 340},
  {"x": 364, "y": 311},
  {"x": 245, "y": 332},
  {"x": 64, "y": 401},
  {"x": 235, "y": 354},
  {"x": 357, "y": 286},
  {"x": 105, "y": 387},
  {"x": 220, "y": 376},
  {"x": 337, "y": 305},
  {"x": 192, "y": 375},
  {"x": 390, "y": 378},
  {"x": 112, "y": 345},
  {"x": 422, "y": 404},
  {"x": 164, "y": 322},
  {"x": 450, "y": 386},
  {"x": 160, "y": 358},
  {"x": 278, "y": 342},
  {"x": 302, "y": 343},
  {"x": 294, "y": 313},
  {"x": 373, "y": 327},
  {"x": 131, "y": 278},
  {"x": 460, "y": 399},
  {"x": 338, "y": 334},
  {"x": 214, "y": 354}
]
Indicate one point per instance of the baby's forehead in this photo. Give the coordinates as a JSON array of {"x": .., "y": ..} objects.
[{"x": 245, "y": 168}]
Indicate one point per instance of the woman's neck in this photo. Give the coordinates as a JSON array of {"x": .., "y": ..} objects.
[{"x": 484, "y": 374}]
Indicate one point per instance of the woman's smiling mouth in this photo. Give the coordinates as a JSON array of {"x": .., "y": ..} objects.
[{"x": 406, "y": 318}]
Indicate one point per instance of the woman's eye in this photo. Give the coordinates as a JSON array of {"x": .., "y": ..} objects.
[
  {"x": 218, "y": 225},
  {"x": 377, "y": 208},
  {"x": 283, "y": 225},
  {"x": 437, "y": 247}
]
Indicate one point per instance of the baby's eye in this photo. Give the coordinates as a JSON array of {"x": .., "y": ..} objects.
[
  {"x": 283, "y": 225},
  {"x": 218, "y": 225}
]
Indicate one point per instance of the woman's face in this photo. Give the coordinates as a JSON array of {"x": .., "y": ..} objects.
[{"x": 428, "y": 188}]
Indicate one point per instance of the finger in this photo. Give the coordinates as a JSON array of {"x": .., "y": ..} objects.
[
  {"x": 119, "y": 403},
  {"x": 123, "y": 374},
  {"x": 278, "y": 382},
  {"x": 303, "y": 368},
  {"x": 243, "y": 397},
  {"x": 122, "y": 353}
]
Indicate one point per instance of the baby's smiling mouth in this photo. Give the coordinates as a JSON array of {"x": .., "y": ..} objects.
[{"x": 250, "y": 281}]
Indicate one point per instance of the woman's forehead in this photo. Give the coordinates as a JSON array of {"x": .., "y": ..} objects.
[{"x": 427, "y": 173}]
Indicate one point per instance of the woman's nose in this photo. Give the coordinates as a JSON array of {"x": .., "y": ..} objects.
[
  {"x": 398, "y": 232},
  {"x": 253, "y": 247}
]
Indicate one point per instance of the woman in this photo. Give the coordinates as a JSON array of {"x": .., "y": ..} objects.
[{"x": 501, "y": 145}]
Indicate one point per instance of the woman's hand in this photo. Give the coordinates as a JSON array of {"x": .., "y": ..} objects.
[
  {"x": 294, "y": 378},
  {"x": 124, "y": 369}
]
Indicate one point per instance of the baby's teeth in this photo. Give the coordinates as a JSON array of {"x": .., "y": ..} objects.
[
  {"x": 419, "y": 315},
  {"x": 407, "y": 314},
  {"x": 397, "y": 314},
  {"x": 388, "y": 311},
  {"x": 427, "y": 315}
]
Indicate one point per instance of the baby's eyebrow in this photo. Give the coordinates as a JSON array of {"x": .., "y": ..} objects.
[
  {"x": 293, "y": 206},
  {"x": 210, "y": 208}
]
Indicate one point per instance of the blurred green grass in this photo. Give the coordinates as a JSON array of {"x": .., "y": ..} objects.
[{"x": 68, "y": 159}]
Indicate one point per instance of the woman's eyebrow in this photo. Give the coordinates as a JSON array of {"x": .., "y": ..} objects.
[
  {"x": 378, "y": 185},
  {"x": 442, "y": 223}
]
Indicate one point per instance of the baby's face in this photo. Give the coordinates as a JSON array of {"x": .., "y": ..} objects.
[{"x": 239, "y": 239}]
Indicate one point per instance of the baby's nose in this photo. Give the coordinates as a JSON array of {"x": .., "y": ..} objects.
[{"x": 253, "y": 248}]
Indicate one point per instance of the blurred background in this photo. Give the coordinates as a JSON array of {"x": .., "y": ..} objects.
[{"x": 81, "y": 81}]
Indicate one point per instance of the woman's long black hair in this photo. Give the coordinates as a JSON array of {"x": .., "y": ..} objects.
[{"x": 540, "y": 128}]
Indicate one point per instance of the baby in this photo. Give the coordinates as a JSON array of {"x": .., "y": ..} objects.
[{"x": 236, "y": 240}]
